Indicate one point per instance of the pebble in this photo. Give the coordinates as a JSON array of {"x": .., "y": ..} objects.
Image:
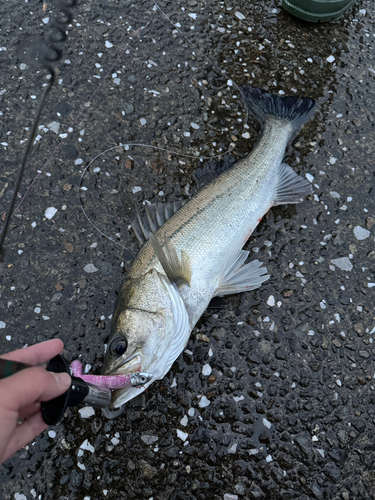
[
  {"x": 182, "y": 435},
  {"x": 90, "y": 268},
  {"x": 206, "y": 370},
  {"x": 310, "y": 177},
  {"x": 149, "y": 438},
  {"x": 184, "y": 420},
  {"x": 364, "y": 354},
  {"x": 54, "y": 127},
  {"x": 361, "y": 233},
  {"x": 343, "y": 263},
  {"x": 203, "y": 402},
  {"x": 229, "y": 496},
  {"x": 147, "y": 470},
  {"x": 87, "y": 446},
  {"x": 2, "y": 324},
  {"x": 50, "y": 212},
  {"x": 86, "y": 412},
  {"x": 271, "y": 300},
  {"x": 202, "y": 336},
  {"x": 267, "y": 423},
  {"x": 334, "y": 194}
]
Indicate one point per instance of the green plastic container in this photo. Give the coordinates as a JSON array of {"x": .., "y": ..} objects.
[{"x": 317, "y": 11}]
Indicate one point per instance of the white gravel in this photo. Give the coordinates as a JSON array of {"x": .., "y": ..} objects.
[
  {"x": 50, "y": 212},
  {"x": 90, "y": 268},
  {"x": 343, "y": 263},
  {"x": 361, "y": 233}
]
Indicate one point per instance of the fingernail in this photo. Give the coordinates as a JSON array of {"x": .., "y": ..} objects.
[{"x": 63, "y": 379}]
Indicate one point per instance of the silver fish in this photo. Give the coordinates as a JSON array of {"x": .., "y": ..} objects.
[{"x": 195, "y": 253}]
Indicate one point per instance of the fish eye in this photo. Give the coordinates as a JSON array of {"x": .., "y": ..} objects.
[{"x": 118, "y": 346}]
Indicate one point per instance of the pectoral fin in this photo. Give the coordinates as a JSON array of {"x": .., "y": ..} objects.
[
  {"x": 291, "y": 187},
  {"x": 178, "y": 270},
  {"x": 239, "y": 277}
]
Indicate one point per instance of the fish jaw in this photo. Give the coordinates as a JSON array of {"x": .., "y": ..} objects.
[
  {"x": 122, "y": 396},
  {"x": 123, "y": 367}
]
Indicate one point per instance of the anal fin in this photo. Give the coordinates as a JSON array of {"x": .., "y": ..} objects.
[
  {"x": 178, "y": 270},
  {"x": 239, "y": 277},
  {"x": 291, "y": 187}
]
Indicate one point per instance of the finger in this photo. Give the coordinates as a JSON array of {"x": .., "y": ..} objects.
[
  {"x": 25, "y": 433},
  {"x": 28, "y": 410},
  {"x": 32, "y": 384},
  {"x": 36, "y": 354}
]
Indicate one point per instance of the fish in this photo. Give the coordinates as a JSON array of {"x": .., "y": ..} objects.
[{"x": 192, "y": 253}]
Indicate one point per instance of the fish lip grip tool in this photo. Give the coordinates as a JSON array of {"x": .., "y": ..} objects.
[
  {"x": 93, "y": 390},
  {"x": 79, "y": 392}
]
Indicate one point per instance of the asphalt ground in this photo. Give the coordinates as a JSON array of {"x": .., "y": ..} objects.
[{"x": 274, "y": 396}]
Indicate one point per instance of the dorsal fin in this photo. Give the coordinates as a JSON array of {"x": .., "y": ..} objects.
[
  {"x": 154, "y": 217},
  {"x": 211, "y": 170}
]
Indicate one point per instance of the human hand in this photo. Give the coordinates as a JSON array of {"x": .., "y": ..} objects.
[{"x": 21, "y": 394}]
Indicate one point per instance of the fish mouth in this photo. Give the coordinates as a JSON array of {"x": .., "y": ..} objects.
[{"x": 129, "y": 365}]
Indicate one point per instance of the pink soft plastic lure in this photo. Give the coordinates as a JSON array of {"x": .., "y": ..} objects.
[{"x": 110, "y": 381}]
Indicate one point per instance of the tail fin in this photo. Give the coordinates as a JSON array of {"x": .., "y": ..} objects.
[{"x": 296, "y": 110}]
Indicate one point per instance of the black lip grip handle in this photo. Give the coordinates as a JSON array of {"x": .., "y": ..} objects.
[{"x": 53, "y": 410}]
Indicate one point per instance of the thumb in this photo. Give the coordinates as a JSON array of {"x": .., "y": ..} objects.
[{"x": 34, "y": 384}]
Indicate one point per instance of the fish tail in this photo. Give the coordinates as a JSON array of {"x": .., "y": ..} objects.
[{"x": 293, "y": 109}]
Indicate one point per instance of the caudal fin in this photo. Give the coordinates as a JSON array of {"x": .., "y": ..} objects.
[{"x": 294, "y": 109}]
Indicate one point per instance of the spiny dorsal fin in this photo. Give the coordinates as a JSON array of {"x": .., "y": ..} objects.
[
  {"x": 177, "y": 270},
  {"x": 155, "y": 216}
]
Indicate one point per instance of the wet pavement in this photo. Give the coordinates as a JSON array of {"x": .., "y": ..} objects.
[{"x": 274, "y": 394}]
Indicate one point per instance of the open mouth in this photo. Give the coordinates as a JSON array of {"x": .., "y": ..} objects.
[{"x": 129, "y": 365}]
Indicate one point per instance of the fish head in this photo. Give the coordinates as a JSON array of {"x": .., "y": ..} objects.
[{"x": 146, "y": 328}]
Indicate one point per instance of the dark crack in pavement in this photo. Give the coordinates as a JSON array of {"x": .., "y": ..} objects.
[{"x": 274, "y": 396}]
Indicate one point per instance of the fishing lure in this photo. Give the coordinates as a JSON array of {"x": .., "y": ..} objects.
[{"x": 110, "y": 381}]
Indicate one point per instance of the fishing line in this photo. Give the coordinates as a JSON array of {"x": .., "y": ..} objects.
[
  {"x": 123, "y": 148},
  {"x": 74, "y": 121},
  {"x": 50, "y": 53}
]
